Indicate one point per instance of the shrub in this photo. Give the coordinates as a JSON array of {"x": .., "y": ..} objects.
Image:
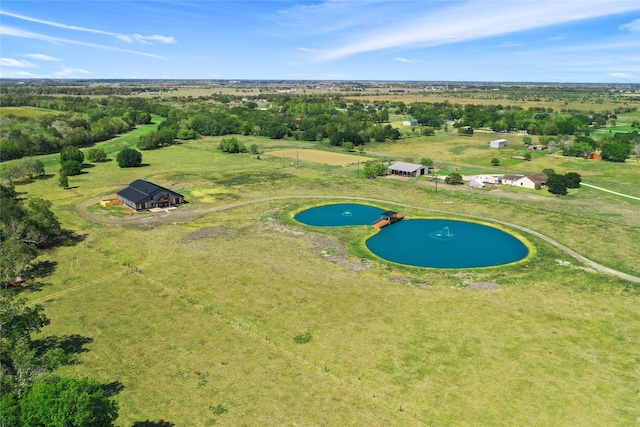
[
  {"x": 302, "y": 338},
  {"x": 129, "y": 158},
  {"x": 95, "y": 155},
  {"x": 71, "y": 153}
]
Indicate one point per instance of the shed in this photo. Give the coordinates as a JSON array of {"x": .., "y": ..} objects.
[
  {"x": 412, "y": 122},
  {"x": 141, "y": 194},
  {"x": 498, "y": 143},
  {"x": 409, "y": 169}
]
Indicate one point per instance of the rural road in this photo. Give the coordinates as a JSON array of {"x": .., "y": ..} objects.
[{"x": 184, "y": 215}]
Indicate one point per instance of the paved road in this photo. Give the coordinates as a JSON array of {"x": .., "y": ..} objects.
[
  {"x": 610, "y": 191},
  {"x": 185, "y": 214}
]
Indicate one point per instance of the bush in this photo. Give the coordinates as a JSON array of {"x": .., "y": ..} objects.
[
  {"x": 95, "y": 155},
  {"x": 129, "y": 158},
  {"x": 302, "y": 338},
  {"x": 232, "y": 145},
  {"x": 454, "y": 178}
]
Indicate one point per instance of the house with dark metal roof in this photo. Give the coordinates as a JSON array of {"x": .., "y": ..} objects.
[{"x": 141, "y": 194}]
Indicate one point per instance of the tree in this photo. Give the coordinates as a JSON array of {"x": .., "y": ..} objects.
[
  {"x": 68, "y": 402},
  {"x": 454, "y": 178},
  {"x": 71, "y": 153},
  {"x": 557, "y": 184},
  {"x": 495, "y": 161},
  {"x": 95, "y": 155},
  {"x": 573, "y": 179},
  {"x": 527, "y": 140},
  {"x": 129, "y": 158},
  {"x": 71, "y": 167},
  {"x": 63, "y": 181},
  {"x": 253, "y": 149},
  {"x": 615, "y": 151},
  {"x": 527, "y": 156},
  {"x": 425, "y": 161},
  {"x": 373, "y": 168},
  {"x": 32, "y": 167}
]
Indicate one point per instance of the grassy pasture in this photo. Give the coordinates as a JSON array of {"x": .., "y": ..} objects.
[
  {"x": 197, "y": 320},
  {"x": 317, "y": 156},
  {"x": 26, "y": 111}
]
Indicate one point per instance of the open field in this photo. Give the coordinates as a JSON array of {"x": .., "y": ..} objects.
[
  {"x": 197, "y": 320},
  {"x": 26, "y": 111},
  {"x": 317, "y": 156}
]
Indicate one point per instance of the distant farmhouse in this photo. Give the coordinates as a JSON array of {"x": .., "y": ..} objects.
[
  {"x": 412, "y": 122},
  {"x": 498, "y": 143},
  {"x": 409, "y": 169},
  {"x": 533, "y": 181},
  {"x": 141, "y": 194}
]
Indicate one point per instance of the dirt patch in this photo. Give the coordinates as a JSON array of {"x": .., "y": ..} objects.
[{"x": 328, "y": 248}]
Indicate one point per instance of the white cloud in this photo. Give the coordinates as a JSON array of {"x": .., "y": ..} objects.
[
  {"x": 471, "y": 20},
  {"x": 17, "y": 74},
  {"x": 305, "y": 49},
  {"x": 406, "y": 60},
  {"x": 8, "y": 31},
  {"x": 509, "y": 44},
  {"x": 70, "y": 72},
  {"x": 620, "y": 75},
  {"x": 124, "y": 37},
  {"x": 14, "y": 63},
  {"x": 633, "y": 26},
  {"x": 40, "y": 57}
]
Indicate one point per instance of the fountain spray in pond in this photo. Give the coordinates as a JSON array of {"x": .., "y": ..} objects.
[{"x": 444, "y": 234}]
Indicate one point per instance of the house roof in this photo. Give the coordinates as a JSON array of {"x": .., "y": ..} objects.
[
  {"x": 538, "y": 177},
  {"x": 140, "y": 189},
  {"x": 498, "y": 140},
  {"x": 512, "y": 177},
  {"x": 405, "y": 167}
]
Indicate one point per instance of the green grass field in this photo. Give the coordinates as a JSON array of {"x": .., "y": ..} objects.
[{"x": 197, "y": 321}]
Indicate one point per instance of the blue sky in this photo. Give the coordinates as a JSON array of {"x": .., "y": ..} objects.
[{"x": 590, "y": 41}]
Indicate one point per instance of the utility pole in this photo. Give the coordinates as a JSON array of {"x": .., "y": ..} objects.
[
  {"x": 358, "y": 168},
  {"x": 436, "y": 181}
]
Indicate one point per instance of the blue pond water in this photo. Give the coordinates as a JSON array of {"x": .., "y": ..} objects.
[
  {"x": 340, "y": 214},
  {"x": 424, "y": 242}
]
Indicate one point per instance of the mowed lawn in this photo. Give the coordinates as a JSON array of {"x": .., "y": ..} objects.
[{"x": 197, "y": 321}]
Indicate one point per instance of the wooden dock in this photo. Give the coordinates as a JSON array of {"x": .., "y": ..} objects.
[{"x": 388, "y": 218}]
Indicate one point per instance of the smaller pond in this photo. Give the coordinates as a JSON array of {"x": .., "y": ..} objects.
[
  {"x": 339, "y": 215},
  {"x": 431, "y": 243}
]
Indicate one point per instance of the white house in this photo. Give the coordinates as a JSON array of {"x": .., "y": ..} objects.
[
  {"x": 412, "y": 122},
  {"x": 533, "y": 181},
  {"x": 409, "y": 169},
  {"x": 498, "y": 143}
]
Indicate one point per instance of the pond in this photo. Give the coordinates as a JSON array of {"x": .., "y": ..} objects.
[{"x": 434, "y": 243}]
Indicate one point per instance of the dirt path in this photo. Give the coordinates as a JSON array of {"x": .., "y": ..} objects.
[
  {"x": 187, "y": 214},
  {"x": 610, "y": 191}
]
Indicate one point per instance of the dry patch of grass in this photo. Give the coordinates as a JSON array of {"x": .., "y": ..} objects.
[{"x": 317, "y": 156}]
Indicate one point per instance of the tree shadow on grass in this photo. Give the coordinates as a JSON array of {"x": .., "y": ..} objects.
[
  {"x": 112, "y": 388},
  {"x": 71, "y": 345},
  {"x": 148, "y": 423},
  {"x": 69, "y": 238}
]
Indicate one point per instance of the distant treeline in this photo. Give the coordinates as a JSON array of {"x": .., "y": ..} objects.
[{"x": 88, "y": 120}]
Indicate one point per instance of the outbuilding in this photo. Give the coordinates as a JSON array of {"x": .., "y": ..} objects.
[
  {"x": 498, "y": 143},
  {"x": 141, "y": 194},
  {"x": 409, "y": 169}
]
